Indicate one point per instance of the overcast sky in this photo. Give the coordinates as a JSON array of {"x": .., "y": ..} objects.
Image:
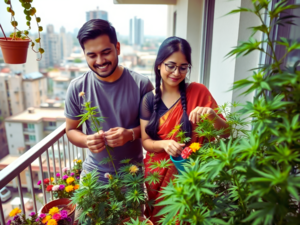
[{"x": 72, "y": 14}]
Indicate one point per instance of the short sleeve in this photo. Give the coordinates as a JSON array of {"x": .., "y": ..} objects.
[
  {"x": 72, "y": 104},
  {"x": 147, "y": 87},
  {"x": 146, "y": 106}
]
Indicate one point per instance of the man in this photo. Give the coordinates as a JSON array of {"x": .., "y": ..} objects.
[{"x": 117, "y": 92}]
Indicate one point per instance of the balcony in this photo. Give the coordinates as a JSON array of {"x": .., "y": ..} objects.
[
  {"x": 28, "y": 131},
  {"x": 36, "y": 164}
]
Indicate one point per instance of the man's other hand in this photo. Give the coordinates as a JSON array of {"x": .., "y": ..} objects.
[
  {"x": 117, "y": 136},
  {"x": 95, "y": 142}
]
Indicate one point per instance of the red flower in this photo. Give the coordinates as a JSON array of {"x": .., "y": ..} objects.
[
  {"x": 46, "y": 181},
  {"x": 186, "y": 152},
  {"x": 49, "y": 188}
]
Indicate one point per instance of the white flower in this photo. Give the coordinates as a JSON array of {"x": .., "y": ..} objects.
[
  {"x": 107, "y": 175},
  {"x": 65, "y": 169},
  {"x": 81, "y": 94},
  {"x": 55, "y": 188}
]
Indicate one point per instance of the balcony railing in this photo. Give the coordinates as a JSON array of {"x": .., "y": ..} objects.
[{"x": 13, "y": 170}]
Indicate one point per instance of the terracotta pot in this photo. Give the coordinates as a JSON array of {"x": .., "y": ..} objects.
[
  {"x": 63, "y": 203},
  {"x": 140, "y": 219},
  {"x": 14, "y": 51}
]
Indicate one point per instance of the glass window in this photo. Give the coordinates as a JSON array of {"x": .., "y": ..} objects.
[
  {"x": 31, "y": 126},
  {"x": 31, "y": 137}
]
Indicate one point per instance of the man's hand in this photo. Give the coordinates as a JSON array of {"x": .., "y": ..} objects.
[
  {"x": 117, "y": 136},
  {"x": 95, "y": 142}
]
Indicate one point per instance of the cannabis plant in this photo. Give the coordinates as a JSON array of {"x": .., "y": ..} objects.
[{"x": 251, "y": 177}]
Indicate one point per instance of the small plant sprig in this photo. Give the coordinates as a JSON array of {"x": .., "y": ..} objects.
[
  {"x": 90, "y": 114},
  {"x": 29, "y": 12},
  {"x": 179, "y": 134}
]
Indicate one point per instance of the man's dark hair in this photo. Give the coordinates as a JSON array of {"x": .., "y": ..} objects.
[{"x": 94, "y": 28}]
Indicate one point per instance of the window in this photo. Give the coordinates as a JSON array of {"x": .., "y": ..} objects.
[
  {"x": 30, "y": 126},
  {"x": 41, "y": 93},
  {"x": 52, "y": 124},
  {"x": 31, "y": 137}
]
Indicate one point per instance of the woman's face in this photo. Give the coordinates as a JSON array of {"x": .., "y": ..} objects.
[{"x": 174, "y": 69}]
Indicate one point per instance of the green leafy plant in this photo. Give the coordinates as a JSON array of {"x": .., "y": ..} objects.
[
  {"x": 30, "y": 13},
  {"x": 110, "y": 203},
  {"x": 179, "y": 134},
  {"x": 251, "y": 177},
  {"x": 137, "y": 222}
]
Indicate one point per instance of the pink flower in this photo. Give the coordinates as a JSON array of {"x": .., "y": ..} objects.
[
  {"x": 56, "y": 216},
  {"x": 65, "y": 177},
  {"x": 61, "y": 187},
  {"x": 42, "y": 215},
  {"x": 55, "y": 188},
  {"x": 65, "y": 169},
  {"x": 64, "y": 214},
  {"x": 72, "y": 174},
  {"x": 58, "y": 175},
  {"x": 186, "y": 152},
  {"x": 39, "y": 182}
]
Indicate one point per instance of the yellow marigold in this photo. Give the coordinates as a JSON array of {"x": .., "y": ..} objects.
[
  {"x": 195, "y": 146},
  {"x": 52, "y": 222},
  {"x": 70, "y": 180},
  {"x": 81, "y": 94},
  {"x": 46, "y": 219},
  {"x": 53, "y": 211},
  {"x": 79, "y": 161},
  {"x": 69, "y": 188},
  {"x": 75, "y": 160},
  {"x": 76, "y": 186},
  {"x": 15, "y": 211},
  {"x": 133, "y": 169},
  {"x": 52, "y": 179}
]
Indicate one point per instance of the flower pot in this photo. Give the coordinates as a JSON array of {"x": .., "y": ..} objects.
[
  {"x": 178, "y": 162},
  {"x": 63, "y": 203},
  {"x": 14, "y": 51},
  {"x": 140, "y": 219}
]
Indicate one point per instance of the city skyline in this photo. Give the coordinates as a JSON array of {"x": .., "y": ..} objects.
[{"x": 119, "y": 15}]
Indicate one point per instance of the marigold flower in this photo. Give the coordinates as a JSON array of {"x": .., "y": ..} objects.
[
  {"x": 133, "y": 169},
  {"x": 39, "y": 182},
  {"x": 186, "y": 152},
  {"x": 79, "y": 161},
  {"x": 74, "y": 160},
  {"x": 76, "y": 186},
  {"x": 49, "y": 188},
  {"x": 52, "y": 222},
  {"x": 70, "y": 180},
  {"x": 46, "y": 181},
  {"x": 108, "y": 176},
  {"x": 53, "y": 211},
  {"x": 52, "y": 179},
  {"x": 195, "y": 146},
  {"x": 81, "y": 94},
  {"x": 46, "y": 219},
  {"x": 15, "y": 211},
  {"x": 69, "y": 188}
]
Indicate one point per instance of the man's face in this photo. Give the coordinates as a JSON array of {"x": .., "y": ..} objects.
[{"x": 101, "y": 55}]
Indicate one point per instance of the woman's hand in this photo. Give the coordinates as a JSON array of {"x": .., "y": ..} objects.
[
  {"x": 196, "y": 114},
  {"x": 172, "y": 147}
]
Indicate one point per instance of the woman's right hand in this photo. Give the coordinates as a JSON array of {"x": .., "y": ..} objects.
[{"x": 172, "y": 147}]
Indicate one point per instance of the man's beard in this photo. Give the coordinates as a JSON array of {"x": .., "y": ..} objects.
[{"x": 107, "y": 75}]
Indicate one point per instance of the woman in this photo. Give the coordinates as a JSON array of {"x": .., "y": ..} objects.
[{"x": 172, "y": 102}]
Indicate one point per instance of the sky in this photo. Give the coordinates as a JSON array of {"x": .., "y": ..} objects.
[{"x": 72, "y": 14}]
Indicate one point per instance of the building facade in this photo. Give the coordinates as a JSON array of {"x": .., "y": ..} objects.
[
  {"x": 136, "y": 31},
  {"x": 96, "y": 14}
]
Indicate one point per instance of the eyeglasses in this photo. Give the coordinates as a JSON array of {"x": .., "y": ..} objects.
[{"x": 182, "y": 69}]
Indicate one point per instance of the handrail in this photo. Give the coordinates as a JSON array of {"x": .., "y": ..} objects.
[{"x": 20, "y": 164}]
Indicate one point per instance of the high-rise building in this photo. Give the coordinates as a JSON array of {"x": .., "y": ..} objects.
[
  {"x": 96, "y": 14},
  {"x": 136, "y": 31},
  {"x": 50, "y": 41},
  {"x": 66, "y": 43}
]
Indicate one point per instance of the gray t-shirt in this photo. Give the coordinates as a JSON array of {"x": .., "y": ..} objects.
[{"x": 119, "y": 103}]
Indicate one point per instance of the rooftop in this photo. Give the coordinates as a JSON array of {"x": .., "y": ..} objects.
[
  {"x": 32, "y": 76},
  {"x": 38, "y": 114}
]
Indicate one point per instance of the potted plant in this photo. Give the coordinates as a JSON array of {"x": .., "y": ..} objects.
[
  {"x": 137, "y": 221},
  {"x": 251, "y": 178},
  {"x": 15, "y": 47}
]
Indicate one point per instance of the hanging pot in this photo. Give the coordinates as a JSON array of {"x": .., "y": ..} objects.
[
  {"x": 14, "y": 51},
  {"x": 63, "y": 203},
  {"x": 178, "y": 162}
]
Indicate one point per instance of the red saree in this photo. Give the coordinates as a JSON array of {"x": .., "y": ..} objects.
[{"x": 196, "y": 95}]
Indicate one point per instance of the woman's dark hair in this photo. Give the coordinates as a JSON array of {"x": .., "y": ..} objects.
[
  {"x": 167, "y": 48},
  {"x": 94, "y": 28}
]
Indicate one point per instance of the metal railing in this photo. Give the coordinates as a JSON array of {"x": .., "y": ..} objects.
[{"x": 13, "y": 170}]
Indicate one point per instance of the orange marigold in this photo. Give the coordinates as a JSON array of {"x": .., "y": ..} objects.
[
  {"x": 46, "y": 219},
  {"x": 52, "y": 222},
  {"x": 76, "y": 186},
  {"x": 69, "y": 188},
  {"x": 195, "y": 146},
  {"x": 15, "y": 211}
]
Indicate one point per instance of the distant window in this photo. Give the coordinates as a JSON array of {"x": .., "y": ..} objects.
[
  {"x": 10, "y": 135},
  {"x": 41, "y": 92},
  {"x": 31, "y": 126},
  {"x": 31, "y": 137},
  {"x": 52, "y": 124}
]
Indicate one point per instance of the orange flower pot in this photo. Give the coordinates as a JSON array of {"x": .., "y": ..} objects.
[
  {"x": 63, "y": 203},
  {"x": 14, "y": 51},
  {"x": 140, "y": 219}
]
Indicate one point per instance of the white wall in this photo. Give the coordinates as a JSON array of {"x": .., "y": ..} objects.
[
  {"x": 15, "y": 137},
  {"x": 39, "y": 131}
]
